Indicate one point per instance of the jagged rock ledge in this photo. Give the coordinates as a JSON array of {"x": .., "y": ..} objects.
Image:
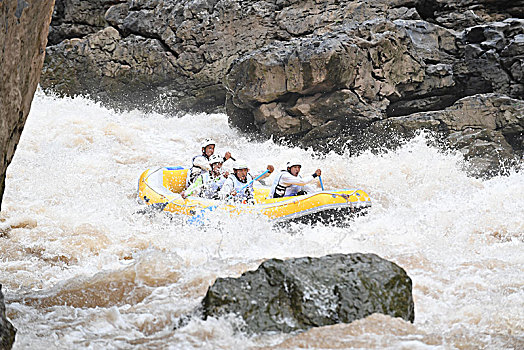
[{"x": 311, "y": 72}]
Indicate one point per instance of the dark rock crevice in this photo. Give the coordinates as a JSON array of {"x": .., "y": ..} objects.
[{"x": 427, "y": 8}]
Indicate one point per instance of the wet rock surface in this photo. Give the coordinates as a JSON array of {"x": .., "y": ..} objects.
[
  {"x": 486, "y": 128},
  {"x": 7, "y": 330},
  {"x": 302, "y": 293},
  {"x": 317, "y": 73}
]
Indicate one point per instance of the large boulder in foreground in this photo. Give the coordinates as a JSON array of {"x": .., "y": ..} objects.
[
  {"x": 23, "y": 39},
  {"x": 310, "y": 292},
  {"x": 7, "y": 331}
]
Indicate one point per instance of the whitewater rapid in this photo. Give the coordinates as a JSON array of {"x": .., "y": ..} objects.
[{"x": 80, "y": 268}]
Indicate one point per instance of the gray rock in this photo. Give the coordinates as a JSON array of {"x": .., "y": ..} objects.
[
  {"x": 492, "y": 58},
  {"x": 487, "y": 128},
  {"x": 23, "y": 39},
  {"x": 204, "y": 37},
  {"x": 111, "y": 61},
  {"x": 345, "y": 75},
  {"x": 116, "y": 14},
  {"x": 7, "y": 330},
  {"x": 77, "y": 18},
  {"x": 280, "y": 85},
  {"x": 315, "y": 73},
  {"x": 201, "y": 38},
  {"x": 467, "y": 13},
  {"x": 311, "y": 292}
]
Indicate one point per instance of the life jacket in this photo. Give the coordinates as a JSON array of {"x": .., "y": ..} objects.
[
  {"x": 212, "y": 185},
  {"x": 279, "y": 190},
  {"x": 195, "y": 171},
  {"x": 245, "y": 194}
]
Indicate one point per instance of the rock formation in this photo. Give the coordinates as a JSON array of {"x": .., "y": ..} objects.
[
  {"x": 486, "y": 128},
  {"x": 341, "y": 86},
  {"x": 308, "y": 292},
  {"x": 23, "y": 38},
  {"x": 76, "y": 18},
  {"x": 7, "y": 331},
  {"x": 313, "y": 72}
]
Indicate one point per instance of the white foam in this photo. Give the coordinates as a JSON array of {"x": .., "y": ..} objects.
[{"x": 75, "y": 173}]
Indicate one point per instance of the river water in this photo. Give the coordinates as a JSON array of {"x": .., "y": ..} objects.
[{"x": 81, "y": 268}]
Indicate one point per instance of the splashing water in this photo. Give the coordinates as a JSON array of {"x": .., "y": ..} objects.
[{"x": 81, "y": 269}]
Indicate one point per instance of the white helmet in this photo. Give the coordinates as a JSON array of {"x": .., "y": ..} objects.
[
  {"x": 208, "y": 142},
  {"x": 293, "y": 162},
  {"x": 240, "y": 164},
  {"x": 215, "y": 158}
]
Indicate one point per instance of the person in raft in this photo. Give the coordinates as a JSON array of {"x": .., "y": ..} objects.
[
  {"x": 235, "y": 188},
  {"x": 209, "y": 183},
  {"x": 200, "y": 163},
  {"x": 289, "y": 182}
]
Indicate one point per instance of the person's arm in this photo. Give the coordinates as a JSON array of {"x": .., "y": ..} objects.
[
  {"x": 270, "y": 168},
  {"x": 287, "y": 179},
  {"x": 202, "y": 163}
]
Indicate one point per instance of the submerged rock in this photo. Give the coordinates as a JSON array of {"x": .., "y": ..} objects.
[
  {"x": 7, "y": 330},
  {"x": 307, "y": 292}
]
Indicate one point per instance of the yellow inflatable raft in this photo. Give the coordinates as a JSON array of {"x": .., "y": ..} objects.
[{"x": 161, "y": 187}]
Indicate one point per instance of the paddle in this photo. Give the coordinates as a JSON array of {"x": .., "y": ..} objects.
[
  {"x": 197, "y": 218},
  {"x": 321, "y": 184},
  {"x": 250, "y": 182},
  {"x": 163, "y": 205}
]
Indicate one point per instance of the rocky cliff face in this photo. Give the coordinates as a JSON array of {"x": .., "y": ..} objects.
[
  {"x": 23, "y": 38},
  {"x": 314, "y": 72},
  {"x": 74, "y": 19}
]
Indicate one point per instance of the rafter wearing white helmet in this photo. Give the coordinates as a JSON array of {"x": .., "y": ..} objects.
[
  {"x": 207, "y": 183},
  {"x": 208, "y": 142},
  {"x": 293, "y": 162},
  {"x": 215, "y": 158},
  {"x": 289, "y": 182},
  {"x": 239, "y": 186},
  {"x": 200, "y": 164}
]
